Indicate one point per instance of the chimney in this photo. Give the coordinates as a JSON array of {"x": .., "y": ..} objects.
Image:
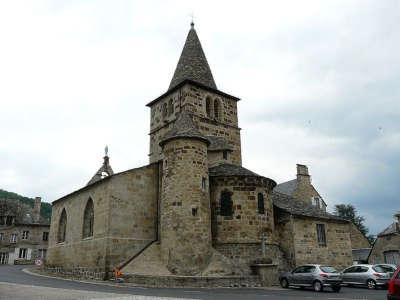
[
  {"x": 36, "y": 210},
  {"x": 302, "y": 174}
]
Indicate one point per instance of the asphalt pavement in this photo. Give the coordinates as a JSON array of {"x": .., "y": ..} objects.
[{"x": 13, "y": 277}]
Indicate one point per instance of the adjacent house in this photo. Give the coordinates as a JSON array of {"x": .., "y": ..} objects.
[
  {"x": 24, "y": 233},
  {"x": 386, "y": 248}
]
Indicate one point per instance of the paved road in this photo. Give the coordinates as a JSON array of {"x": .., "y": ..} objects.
[{"x": 12, "y": 277}]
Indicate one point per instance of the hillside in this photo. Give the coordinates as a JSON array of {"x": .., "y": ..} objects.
[{"x": 45, "y": 210}]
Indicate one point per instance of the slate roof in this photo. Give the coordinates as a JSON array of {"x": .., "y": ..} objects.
[
  {"x": 183, "y": 127},
  {"x": 193, "y": 63},
  {"x": 218, "y": 143},
  {"x": 361, "y": 254},
  {"x": 287, "y": 187},
  {"x": 105, "y": 168},
  {"x": 230, "y": 170},
  {"x": 299, "y": 208},
  {"x": 391, "y": 229}
]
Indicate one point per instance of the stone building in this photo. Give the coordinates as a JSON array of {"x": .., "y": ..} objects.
[
  {"x": 194, "y": 210},
  {"x": 23, "y": 232},
  {"x": 386, "y": 248}
]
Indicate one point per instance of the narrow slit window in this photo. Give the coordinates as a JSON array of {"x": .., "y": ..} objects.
[
  {"x": 261, "y": 205},
  {"x": 321, "y": 235}
]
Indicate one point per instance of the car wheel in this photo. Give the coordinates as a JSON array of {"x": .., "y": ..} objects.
[
  {"x": 284, "y": 283},
  {"x": 371, "y": 284},
  {"x": 317, "y": 286},
  {"x": 336, "y": 288}
]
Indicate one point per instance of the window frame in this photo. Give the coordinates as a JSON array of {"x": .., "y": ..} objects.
[
  {"x": 25, "y": 235},
  {"x": 62, "y": 227},
  {"x": 261, "y": 204},
  {"x": 88, "y": 219},
  {"x": 226, "y": 204},
  {"x": 321, "y": 235}
]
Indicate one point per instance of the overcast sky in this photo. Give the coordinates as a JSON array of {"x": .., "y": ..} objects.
[{"x": 319, "y": 83}]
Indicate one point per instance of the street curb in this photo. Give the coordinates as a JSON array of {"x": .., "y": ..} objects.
[{"x": 123, "y": 285}]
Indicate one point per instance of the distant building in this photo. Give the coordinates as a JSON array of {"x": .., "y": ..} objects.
[
  {"x": 386, "y": 248},
  {"x": 23, "y": 233}
]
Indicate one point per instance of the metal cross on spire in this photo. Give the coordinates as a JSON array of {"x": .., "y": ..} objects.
[{"x": 192, "y": 21}]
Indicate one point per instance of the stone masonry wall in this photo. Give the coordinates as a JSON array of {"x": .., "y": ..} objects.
[
  {"x": 244, "y": 254},
  {"x": 382, "y": 244},
  {"x": 305, "y": 190},
  {"x": 124, "y": 221},
  {"x": 133, "y": 213},
  {"x": 75, "y": 251},
  {"x": 358, "y": 240},
  {"x": 245, "y": 225},
  {"x": 285, "y": 236},
  {"x": 185, "y": 207},
  {"x": 193, "y": 99},
  {"x": 337, "y": 251}
]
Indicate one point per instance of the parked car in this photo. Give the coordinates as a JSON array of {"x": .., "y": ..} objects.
[
  {"x": 371, "y": 276},
  {"x": 316, "y": 276},
  {"x": 394, "y": 286},
  {"x": 388, "y": 268}
]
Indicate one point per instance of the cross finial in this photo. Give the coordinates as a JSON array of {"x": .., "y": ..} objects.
[
  {"x": 106, "y": 150},
  {"x": 192, "y": 22}
]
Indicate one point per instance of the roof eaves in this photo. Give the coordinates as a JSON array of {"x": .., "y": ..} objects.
[{"x": 195, "y": 83}]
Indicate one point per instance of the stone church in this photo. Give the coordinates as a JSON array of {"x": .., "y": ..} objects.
[{"x": 194, "y": 210}]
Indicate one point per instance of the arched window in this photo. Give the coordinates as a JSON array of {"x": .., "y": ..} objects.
[
  {"x": 62, "y": 227},
  {"x": 170, "y": 107},
  {"x": 226, "y": 204},
  {"x": 165, "y": 110},
  {"x": 217, "y": 109},
  {"x": 88, "y": 219},
  {"x": 208, "y": 107},
  {"x": 261, "y": 207}
]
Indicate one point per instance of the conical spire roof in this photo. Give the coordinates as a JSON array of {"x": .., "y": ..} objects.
[
  {"x": 183, "y": 127},
  {"x": 193, "y": 63}
]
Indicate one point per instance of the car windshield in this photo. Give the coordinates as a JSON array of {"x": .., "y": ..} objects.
[
  {"x": 328, "y": 269},
  {"x": 378, "y": 269}
]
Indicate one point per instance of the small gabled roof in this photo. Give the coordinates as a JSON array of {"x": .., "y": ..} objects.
[
  {"x": 391, "y": 229},
  {"x": 287, "y": 187},
  {"x": 183, "y": 127},
  {"x": 230, "y": 170},
  {"x": 299, "y": 208},
  {"x": 193, "y": 63},
  {"x": 104, "y": 171}
]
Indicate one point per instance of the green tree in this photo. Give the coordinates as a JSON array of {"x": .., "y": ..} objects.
[
  {"x": 349, "y": 212},
  {"x": 45, "y": 209}
]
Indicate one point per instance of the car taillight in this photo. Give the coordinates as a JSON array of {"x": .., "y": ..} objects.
[
  {"x": 377, "y": 275},
  {"x": 391, "y": 287},
  {"x": 323, "y": 275}
]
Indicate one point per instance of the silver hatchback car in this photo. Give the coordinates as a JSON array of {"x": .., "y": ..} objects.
[
  {"x": 315, "y": 276},
  {"x": 372, "y": 276}
]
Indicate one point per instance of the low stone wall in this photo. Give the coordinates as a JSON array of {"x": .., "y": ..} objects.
[
  {"x": 74, "y": 273},
  {"x": 192, "y": 281}
]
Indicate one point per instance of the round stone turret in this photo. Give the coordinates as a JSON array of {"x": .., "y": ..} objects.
[{"x": 185, "y": 220}]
